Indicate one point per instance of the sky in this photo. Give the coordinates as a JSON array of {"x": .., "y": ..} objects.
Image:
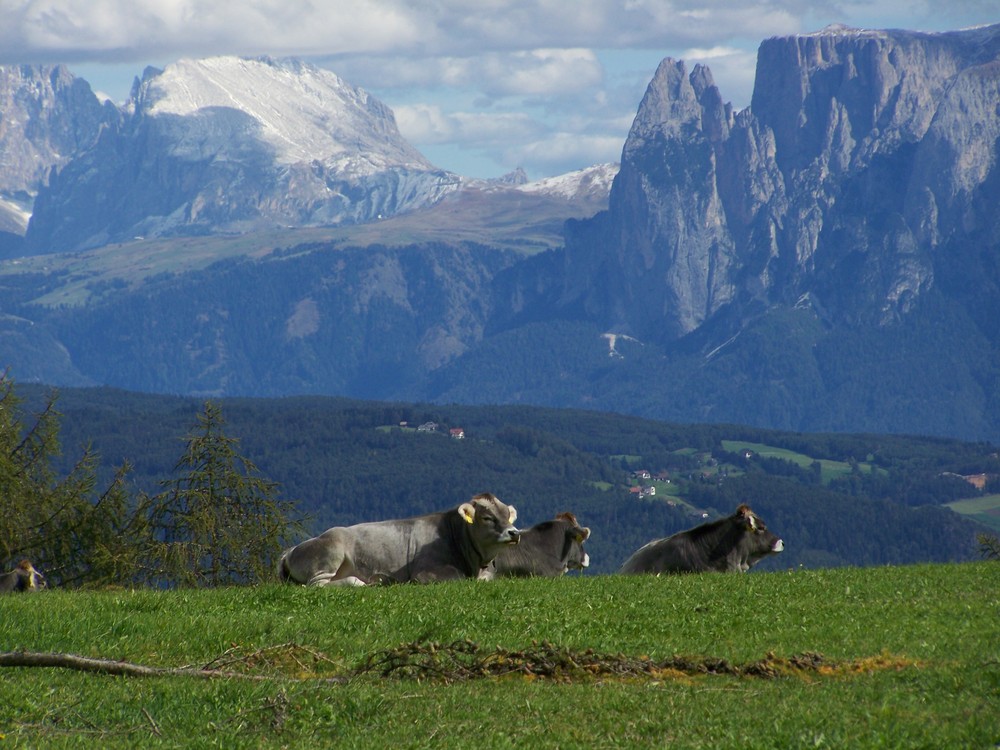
[{"x": 480, "y": 87}]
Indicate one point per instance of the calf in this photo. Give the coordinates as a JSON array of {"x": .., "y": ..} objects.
[
  {"x": 732, "y": 544},
  {"x": 22, "y": 578},
  {"x": 550, "y": 548},
  {"x": 458, "y": 543}
]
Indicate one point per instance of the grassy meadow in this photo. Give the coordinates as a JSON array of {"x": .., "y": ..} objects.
[{"x": 849, "y": 657}]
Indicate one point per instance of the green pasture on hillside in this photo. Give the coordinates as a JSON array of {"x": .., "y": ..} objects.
[
  {"x": 829, "y": 469},
  {"x": 985, "y": 509},
  {"x": 895, "y": 657}
]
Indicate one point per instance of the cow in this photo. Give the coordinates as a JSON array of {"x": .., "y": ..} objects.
[
  {"x": 550, "y": 548},
  {"x": 22, "y": 578},
  {"x": 733, "y": 544},
  {"x": 456, "y": 543}
]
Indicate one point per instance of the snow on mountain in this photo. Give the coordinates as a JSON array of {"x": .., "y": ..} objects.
[
  {"x": 590, "y": 181},
  {"x": 302, "y": 112},
  {"x": 235, "y": 145}
]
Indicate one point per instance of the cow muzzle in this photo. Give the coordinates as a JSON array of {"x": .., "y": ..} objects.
[
  {"x": 511, "y": 536},
  {"x": 778, "y": 546}
]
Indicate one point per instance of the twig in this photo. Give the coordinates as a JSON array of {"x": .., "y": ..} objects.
[
  {"x": 108, "y": 666},
  {"x": 152, "y": 723}
]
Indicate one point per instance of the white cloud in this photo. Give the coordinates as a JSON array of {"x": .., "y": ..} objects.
[
  {"x": 75, "y": 30},
  {"x": 564, "y": 152},
  {"x": 429, "y": 124},
  {"x": 529, "y": 72}
]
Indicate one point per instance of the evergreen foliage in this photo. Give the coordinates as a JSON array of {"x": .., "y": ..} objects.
[
  {"x": 218, "y": 521},
  {"x": 62, "y": 524}
]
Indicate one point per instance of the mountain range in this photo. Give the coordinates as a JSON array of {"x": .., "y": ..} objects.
[{"x": 824, "y": 260}]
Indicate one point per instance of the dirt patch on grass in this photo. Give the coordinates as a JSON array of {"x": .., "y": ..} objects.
[{"x": 466, "y": 660}]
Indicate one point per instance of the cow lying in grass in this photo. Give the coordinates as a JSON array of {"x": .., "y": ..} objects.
[
  {"x": 733, "y": 544},
  {"x": 22, "y": 578},
  {"x": 457, "y": 543},
  {"x": 550, "y": 548}
]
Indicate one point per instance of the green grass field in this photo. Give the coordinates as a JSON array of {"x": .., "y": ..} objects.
[{"x": 901, "y": 657}]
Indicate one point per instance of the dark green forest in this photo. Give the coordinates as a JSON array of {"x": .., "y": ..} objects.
[{"x": 342, "y": 461}]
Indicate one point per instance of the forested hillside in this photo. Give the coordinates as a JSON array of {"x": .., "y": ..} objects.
[{"x": 835, "y": 499}]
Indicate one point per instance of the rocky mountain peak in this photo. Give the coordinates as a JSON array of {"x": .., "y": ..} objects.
[
  {"x": 861, "y": 154},
  {"x": 233, "y": 145},
  {"x": 46, "y": 116}
]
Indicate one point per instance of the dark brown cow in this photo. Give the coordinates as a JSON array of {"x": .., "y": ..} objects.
[
  {"x": 457, "y": 543},
  {"x": 550, "y": 548},
  {"x": 732, "y": 544},
  {"x": 22, "y": 578}
]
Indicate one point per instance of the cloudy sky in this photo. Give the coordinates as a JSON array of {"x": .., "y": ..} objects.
[{"x": 479, "y": 86}]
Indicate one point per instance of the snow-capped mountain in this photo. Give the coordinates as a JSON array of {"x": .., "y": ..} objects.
[
  {"x": 301, "y": 112},
  {"x": 230, "y": 144},
  {"x": 593, "y": 181}
]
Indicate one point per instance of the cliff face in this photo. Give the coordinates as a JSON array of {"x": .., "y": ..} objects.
[
  {"x": 864, "y": 160},
  {"x": 46, "y": 117}
]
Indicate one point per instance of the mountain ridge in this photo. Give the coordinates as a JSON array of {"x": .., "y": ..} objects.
[{"x": 829, "y": 263}]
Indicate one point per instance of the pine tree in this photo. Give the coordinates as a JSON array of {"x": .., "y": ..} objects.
[
  {"x": 70, "y": 535},
  {"x": 219, "y": 522}
]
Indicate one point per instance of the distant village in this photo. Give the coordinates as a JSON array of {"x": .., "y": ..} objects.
[
  {"x": 455, "y": 433},
  {"x": 642, "y": 481}
]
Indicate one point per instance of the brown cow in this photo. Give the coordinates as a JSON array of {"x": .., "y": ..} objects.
[
  {"x": 550, "y": 548},
  {"x": 733, "y": 544}
]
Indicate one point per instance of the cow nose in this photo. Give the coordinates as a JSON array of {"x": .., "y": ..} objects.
[
  {"x": 514, "y": 535},
  {"x": 778, "y": 546}
]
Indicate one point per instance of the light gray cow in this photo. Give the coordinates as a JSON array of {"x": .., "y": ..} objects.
[
  {"x": 22, "y": 578},
  {"x": 457, "y": 543},
  {"x": 549, "y": 548}
]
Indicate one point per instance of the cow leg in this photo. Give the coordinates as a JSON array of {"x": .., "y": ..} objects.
[{"x": 331, "y": 579}]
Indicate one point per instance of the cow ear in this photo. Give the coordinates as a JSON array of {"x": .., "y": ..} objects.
[
  {"x": 747, "y": 515},
  {"x": 513, "y": 514},
  {"x": 467, "y": 511},
  {"x": 583, "y": 535}
]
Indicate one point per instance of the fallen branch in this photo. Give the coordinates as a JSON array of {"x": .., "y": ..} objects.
[{"x": 114, "y": 667}]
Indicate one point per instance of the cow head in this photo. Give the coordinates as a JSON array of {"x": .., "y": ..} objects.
[
  {"x": 33, "y": 580},
  {"x": 762, "y": 542},
  {"x": 492, "y": 521},
  {"x": 574, "y": 554}
]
